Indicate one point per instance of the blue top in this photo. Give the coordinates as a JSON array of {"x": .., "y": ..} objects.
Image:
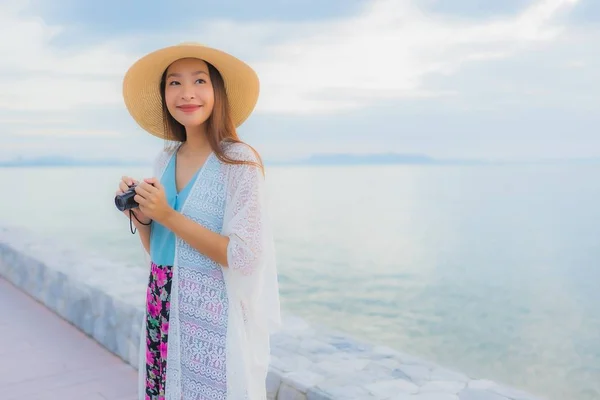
[{"x": 162, "y": 240}]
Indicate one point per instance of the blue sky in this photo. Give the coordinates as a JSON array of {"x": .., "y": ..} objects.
[{"x": 511, "y": 79}]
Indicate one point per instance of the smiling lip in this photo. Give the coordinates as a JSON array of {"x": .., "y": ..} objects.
[{"x": 189, "y": 107}]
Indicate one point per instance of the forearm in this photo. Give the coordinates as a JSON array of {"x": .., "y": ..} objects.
[
  {"x": 211, "y": 244},
  {"x": 144, "y": 234}
]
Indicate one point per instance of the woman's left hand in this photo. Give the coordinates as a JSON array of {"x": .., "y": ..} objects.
[{"x": 152, "y": 199}]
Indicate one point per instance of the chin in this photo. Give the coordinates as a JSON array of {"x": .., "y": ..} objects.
[{"x": 192, "y": 122}]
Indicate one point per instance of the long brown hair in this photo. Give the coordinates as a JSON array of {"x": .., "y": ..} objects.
[{"x": 219, "y": 126}]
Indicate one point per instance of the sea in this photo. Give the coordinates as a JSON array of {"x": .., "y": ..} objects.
[{"x": 493, "y": 270}]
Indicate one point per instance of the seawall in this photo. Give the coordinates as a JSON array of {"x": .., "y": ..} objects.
[{"x": 105, "y": 299}]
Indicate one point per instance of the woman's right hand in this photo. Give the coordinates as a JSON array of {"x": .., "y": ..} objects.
[{"x": 125, "y": 183}]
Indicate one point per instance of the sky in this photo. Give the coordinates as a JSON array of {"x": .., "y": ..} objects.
[{"x": 510, "y": 79}]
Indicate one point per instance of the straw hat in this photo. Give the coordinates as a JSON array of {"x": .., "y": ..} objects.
[{"x": 141, "y": 85}]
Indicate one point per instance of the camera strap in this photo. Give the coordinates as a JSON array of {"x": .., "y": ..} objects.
[{"x": 131, "y": 227}]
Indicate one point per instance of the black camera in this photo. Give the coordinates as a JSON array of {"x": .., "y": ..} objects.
[{"x": 125, "y": 201}]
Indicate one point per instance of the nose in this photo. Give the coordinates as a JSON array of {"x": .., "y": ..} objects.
[{"x": 187, "y": 92}]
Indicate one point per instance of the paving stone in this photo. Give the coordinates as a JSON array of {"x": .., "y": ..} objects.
[
  {"x": 390, "y": 363},
  {"x": 511, "y": 393},
  {"x": 59, "y": 361},
  {"x": 390, "y": 388},
  {"x": 478, "y": 394},
  {"x": 417, "y": 373},
  {"x": 434, "y": 396},
  {"x": 294, "y": 363},
  {"x": 343, "y": 366},
  {"x": 287, "y": 392},
  {"x": 303, "y": 379},
  {"x": 385, "y": 351},
  {"x": 348, "y": 392},
  {"x": 273, "y": 383},
  {"x": 481, "y": 384},
  {"x": 443, "y": 387},
  {"x": 317, "y": 394},
  {"x": 443, "y": 374}
]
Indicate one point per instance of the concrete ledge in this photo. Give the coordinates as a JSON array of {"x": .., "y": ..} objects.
[{"x": 105, "y": 299}]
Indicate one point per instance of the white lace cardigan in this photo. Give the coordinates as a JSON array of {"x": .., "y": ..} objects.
[{"x": 231, "y": 200}]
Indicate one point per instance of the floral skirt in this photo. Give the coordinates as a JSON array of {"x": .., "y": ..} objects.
[{"x": 158, "y": 298}]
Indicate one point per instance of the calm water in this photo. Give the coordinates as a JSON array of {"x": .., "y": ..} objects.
[{"x": 491, "y": 270}]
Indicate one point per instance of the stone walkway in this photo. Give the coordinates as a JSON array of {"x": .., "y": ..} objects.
[{"x": 43, "y": 357}]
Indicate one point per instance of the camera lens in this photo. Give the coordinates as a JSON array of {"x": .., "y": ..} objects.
[
  {"x": 125, "y": 200},
  {"x": 120, "y": 203}
]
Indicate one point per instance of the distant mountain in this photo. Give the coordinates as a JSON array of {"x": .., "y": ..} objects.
[
  {"x": 315, "y": 160},
  {"x": 318, "y": 159},
  {"x": 389, "y": 158},
  {"x": 373, "y": 159}
]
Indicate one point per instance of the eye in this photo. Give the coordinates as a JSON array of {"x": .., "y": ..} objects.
[
  {"x": 200, "y": 80},
  {"x": 173, "y": 83}
]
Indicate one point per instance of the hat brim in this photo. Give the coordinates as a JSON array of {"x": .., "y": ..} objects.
[{"x": 141, "y": 84}]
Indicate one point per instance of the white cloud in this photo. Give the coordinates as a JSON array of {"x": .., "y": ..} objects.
[
  {"x": 35, "y": 74},
  {"x": 386, "y": 52},
  {"x": 66, "y": 100}
]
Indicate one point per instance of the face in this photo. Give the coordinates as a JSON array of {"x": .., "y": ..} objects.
[{"x": 189, "y": 92}]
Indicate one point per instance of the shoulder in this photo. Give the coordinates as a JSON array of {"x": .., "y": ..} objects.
[
  {"x": 162, "y": 157},
  {"x": 240, "y": 151}
]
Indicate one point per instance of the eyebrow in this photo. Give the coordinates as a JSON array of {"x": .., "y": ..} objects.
[{"x": 175, "y": 74}]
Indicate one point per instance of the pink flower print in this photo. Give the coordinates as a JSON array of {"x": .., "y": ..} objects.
[
  {"x": 152, "y": 382},
  {"x": 163, "y": 350},
  {"x": 149, "y": 297},
  {"x": 161, "y": 277},
  {"x": 164, "y": 327},
  {"x": 149, "y": 357},
  {"x": 153, "y": 310}
]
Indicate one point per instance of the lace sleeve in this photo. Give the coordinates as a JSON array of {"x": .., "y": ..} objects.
[
  {"x": 251, "y": 269},
  {"x": 244, "y": 219}
]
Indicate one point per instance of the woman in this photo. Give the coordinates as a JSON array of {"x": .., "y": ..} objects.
[{"x": 212, "y": 298}]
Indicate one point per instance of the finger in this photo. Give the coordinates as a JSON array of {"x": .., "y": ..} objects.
[
  {"x": 149, "y": 187},
  {"x": 123, "y": 186},
  {"x": 127, "y": 180},
  {"x": 155, "y": 183},
  {"x": 140, "y": 200},
  {"x": 142, "y": 191}
]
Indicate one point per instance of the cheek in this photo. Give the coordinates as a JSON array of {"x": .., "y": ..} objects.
[
  {"x": 170, "y": 98},
  {"x": 209, "y": 98}
]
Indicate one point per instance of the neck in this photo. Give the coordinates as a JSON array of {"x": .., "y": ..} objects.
[{"x": 197, "y": 141}]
